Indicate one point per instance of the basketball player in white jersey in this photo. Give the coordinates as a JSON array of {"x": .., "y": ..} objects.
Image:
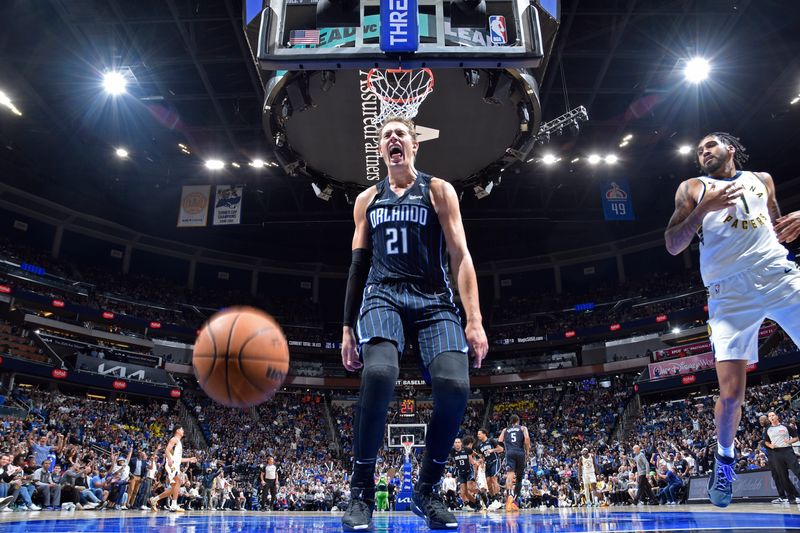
[
  {"x": 173, "y": 457},
  {"x": 588, "y": 476},
  {"x": 745, "y": 270}
]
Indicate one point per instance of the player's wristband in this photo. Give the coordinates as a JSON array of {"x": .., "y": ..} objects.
[{"x": 359, "y": 268}]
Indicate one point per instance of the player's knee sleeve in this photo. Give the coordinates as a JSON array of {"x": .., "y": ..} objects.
[{"x": 377, "y": 386}]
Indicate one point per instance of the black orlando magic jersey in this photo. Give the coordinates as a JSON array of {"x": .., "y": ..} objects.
[{"x": 408, "y": 244}]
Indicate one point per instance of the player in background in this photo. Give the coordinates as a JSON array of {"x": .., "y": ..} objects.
[
  {"x": 173, "y": 458},
  {"x": 517, "y": 444},
  {"x": 491, "y": 450}
]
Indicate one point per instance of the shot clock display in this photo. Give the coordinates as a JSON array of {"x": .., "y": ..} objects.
[{"x": 407, "y": 407}]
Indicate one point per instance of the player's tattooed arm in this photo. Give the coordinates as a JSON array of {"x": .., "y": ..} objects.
[{"x": 684, "y": 222}]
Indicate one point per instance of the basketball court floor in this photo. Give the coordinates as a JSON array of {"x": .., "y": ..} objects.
[{"x": 739, "y": 517}]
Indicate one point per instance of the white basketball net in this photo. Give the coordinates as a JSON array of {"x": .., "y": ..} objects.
[
  {"x": 400, "y": 91},
  {"x": 407, "y": 446}
]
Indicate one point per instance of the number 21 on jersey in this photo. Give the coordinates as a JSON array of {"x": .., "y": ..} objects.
[{"x": 392, "y": 245}]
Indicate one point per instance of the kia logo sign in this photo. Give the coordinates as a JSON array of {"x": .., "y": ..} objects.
[
  {"x": 155, "y": 325},
  {"x": 108, "y": 315},
  {"x": 661, "y": 318},
  {"x": 119, "y": 384},
  {"x": 688, "y": 380},
  {"x": 59, "y": 373},
  {"x": 407, "y": 499},
  {"x": 569, "y": 334},
  {"x": 58, "y": 303},
  {"x": 614, "y": 327},
  {"x": 5, "y": 289},
  {"x": 175, "y": 393}
]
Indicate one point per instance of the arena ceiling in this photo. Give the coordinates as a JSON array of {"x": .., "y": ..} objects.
[{"x": 194, "y": 82}]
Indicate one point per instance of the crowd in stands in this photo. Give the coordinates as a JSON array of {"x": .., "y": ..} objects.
[
  {"x": 521, "y": 315},
  {"x": 94, "y": 447},
  {"x": 545, "y": 313}
]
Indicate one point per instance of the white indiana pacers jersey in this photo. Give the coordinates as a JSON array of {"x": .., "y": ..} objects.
[
  {"x": 737, "y": 238},
  {"x": 177, "y": 453},
  {"x": 587, "y": 465}
]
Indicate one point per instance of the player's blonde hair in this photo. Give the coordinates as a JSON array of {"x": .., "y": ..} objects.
[{"x": 407, "y": 122}]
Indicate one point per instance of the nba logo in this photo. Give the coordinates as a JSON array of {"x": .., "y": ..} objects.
[{"x": 497, "y": 29}]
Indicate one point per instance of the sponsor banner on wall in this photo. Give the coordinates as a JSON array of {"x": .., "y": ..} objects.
[
  {"x": 682, "y": 365},
  {"x": 749, "y": 485},
  {"x": 121, "y": 370},
  {"x": 228, "y": 205},
  {"x": 194, "y": 206}
]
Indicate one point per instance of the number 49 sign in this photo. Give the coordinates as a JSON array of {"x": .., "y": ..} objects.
[{"x": 616, "y": 198}]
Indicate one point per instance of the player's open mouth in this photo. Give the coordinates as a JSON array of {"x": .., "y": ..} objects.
[
  {"x": 707, "y": 159},
  {"x": 396, "y": 154}
]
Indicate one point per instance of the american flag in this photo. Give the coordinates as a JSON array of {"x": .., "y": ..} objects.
[{"x": 304, "y": 37}]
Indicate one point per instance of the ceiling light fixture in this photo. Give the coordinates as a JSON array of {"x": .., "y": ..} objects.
[{"x": 114, "y": 83}]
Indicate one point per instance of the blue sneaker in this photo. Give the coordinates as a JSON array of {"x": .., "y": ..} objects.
[{"x": 720, "y": 483}]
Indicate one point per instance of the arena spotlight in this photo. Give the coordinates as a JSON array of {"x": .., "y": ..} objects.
[
  {"x": 215, "y": 164},
  {"x": 594, "y": 159},
  {"x": 483, "y": 188},
  {"x": 628, "y": 137},
  {"x": 472, "y": 77},
  {"x": 795, "y": 100},
  {"x": 122, "y": 153},
  {"x": 685, "y": 149},
  {"x": 549, "y": 159},
  {"x": 114, "y": 83},
  {"x": 257, "y": 163},
  {"x": 611, "y": 159},
  {"x": 322, "y": 190},
  {"x": 491, "y": 87},
  {"x": 5, "y": 101},
  {"x": 676, "y": 330},
  {"x": 235, "y": 164},
  {"x": 697, "y": 69}
]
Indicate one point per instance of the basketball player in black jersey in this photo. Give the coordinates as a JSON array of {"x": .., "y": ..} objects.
[
  {"x": 517, "y": 443},
  {"x": 408, "y": 236},
  {"x": 462, "y": 456},
  {"x": 489, "y": 449}
]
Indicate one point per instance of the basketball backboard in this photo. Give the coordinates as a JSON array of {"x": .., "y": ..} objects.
[
  {"x": 481, "y": 116},
  {"x": 397, "y": 434}
]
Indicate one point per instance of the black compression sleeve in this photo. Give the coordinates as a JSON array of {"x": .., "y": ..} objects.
[{"x": 359, "y": 268}]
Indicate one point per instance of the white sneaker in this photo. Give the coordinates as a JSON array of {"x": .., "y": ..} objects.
[
  {"x": 6, "y": 510},
  {"x": 143, "y": 507},
  {"x": 797, "y": 500},
  {"x": 90, "y": 505},
  {"x": 778, "y": 501},
  {"x": 34, "y": 507}
]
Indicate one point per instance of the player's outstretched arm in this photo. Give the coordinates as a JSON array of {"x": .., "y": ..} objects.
[
  {"x": 445, "y": 202},
  {"x": 359, "y": 268}
]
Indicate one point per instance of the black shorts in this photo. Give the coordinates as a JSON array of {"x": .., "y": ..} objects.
[
  {"x": 492, "y": 469},
  {"x": 465, "y": 478},
  {"x": 391, "y": 310},
  {"x": 515, "y": 462}
]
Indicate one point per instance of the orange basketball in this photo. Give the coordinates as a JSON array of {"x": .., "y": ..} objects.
[{"x": 241, "y": 357}]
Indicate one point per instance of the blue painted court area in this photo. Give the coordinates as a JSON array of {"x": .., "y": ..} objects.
[{"x": 564, "y": 521}]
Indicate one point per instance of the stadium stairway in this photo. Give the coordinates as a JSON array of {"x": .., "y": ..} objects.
[
  {"x": 331, "y": 426},
  {"x": 191, "y": 426}
]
